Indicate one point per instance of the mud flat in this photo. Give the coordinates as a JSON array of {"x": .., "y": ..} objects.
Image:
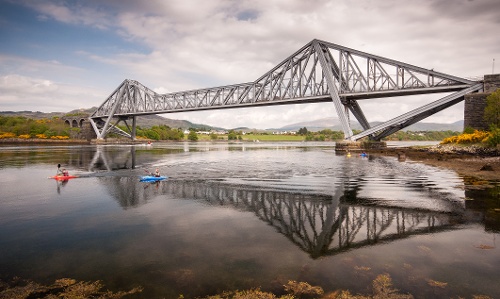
[{"x": 470, "y": 161}]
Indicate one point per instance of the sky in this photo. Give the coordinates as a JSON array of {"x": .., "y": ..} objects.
[{"x": 61, "y": 55}]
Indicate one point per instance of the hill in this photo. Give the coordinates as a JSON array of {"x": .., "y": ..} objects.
[
  {"x": 333, "y": 123},
  {"x": 145, "y": 121}
]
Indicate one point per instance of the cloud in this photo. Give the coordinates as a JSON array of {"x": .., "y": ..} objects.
[
  {"x": 196, "y": 44},
  {"x": 19, "y": 92}
]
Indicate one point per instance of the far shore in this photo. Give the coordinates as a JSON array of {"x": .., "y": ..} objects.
[{"x": 24, "y": 141}]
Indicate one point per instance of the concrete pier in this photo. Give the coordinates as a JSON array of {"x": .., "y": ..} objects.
[{"x": 356, "y": 146}]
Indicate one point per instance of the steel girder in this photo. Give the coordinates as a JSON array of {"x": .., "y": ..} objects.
[{"x": 312, "y": 74}]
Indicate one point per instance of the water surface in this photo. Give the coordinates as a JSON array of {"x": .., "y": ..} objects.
[{"x": 236, "y": 216}]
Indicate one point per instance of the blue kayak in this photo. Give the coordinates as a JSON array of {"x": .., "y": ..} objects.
[{"x": 152, "y": 178}]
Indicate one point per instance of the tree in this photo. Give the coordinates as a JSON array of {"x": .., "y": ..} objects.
[
  {"x": 303, "y": 131},
  {"x": 492, "y": 110},
  {"x": 193, "y": 136},
  {"x": 232, "y": 135}
]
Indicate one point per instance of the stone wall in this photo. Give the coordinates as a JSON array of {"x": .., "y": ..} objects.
[
  {"x": 474, "y": 111},
  {"x": 491, "y": 83},
  {"x": 476, "y": 102},
  {"x": 85, "y": 131}
]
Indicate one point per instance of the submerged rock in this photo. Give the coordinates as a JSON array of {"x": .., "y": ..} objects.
[{"x": 487, "y": 167}]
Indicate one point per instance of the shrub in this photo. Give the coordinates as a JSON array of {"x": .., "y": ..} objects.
[
  {"x": 494, "y": 138},
  {"x": 25, "y": 136},
  {"x": 476, "y": 137},
  {"x": 7, "y": 135},
  {"x": 492, "y": 110},
  {"x": 193, "y": 136},
  {"x": 468, "y": 130}
]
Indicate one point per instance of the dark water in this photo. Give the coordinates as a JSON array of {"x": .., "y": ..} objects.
[{"x": 244, "y": 216}]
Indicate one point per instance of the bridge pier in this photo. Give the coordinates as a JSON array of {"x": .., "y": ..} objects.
[
  {"x": 475, "y": 103},
  {"x": 356, "y": 146}
]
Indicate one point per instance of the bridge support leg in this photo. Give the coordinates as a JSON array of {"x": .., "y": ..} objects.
[
  {"x": 358, "y": 114},
  {"x": 339, "y": 107},
  {"x": 134, "y": 123},
  {"x": 96, "y": 130}
]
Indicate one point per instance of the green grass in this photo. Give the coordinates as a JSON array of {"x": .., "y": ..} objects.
[{"x": 252, "y": 137}]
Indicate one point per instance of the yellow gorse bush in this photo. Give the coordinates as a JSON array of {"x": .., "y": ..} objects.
[
  {"x": 7, "y": 135},
  {"x": 476, "y": 137},
  {"x": 25, "y": 136},
  {"x": 41, "y": 136},
  {"x": 59, "y": 137}
]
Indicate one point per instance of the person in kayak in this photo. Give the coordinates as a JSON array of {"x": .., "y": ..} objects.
[
  {"x": 62, "y": 172},
  {"x": 157, "y": 173}
]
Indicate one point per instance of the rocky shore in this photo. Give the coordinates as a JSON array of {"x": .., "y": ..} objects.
[{"x": 477, "y": 162}]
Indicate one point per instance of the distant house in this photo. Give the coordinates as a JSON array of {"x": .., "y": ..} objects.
[{"x": 285, "y": 133}]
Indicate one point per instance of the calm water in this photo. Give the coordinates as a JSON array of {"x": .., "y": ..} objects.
[{"x": 243, "y": 216}]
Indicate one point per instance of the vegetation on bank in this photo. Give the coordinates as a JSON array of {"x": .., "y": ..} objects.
[
  {"x": 161, "y": 132},
  {"x": 485, "y": 138},
  {"x": 26, "y": 128},
  {"x": 323, "y": 135},
  {"x": 381, "y": 287},
  {"x": 61, "y": 288}
]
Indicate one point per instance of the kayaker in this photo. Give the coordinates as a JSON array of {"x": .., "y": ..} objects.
[{"x": 157, "y": 173}]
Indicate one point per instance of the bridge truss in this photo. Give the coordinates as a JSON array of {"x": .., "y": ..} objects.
[{"x": 318, "y": 72}]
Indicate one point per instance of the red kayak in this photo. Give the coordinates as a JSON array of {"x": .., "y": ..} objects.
[{"x": 63, "y": 177}]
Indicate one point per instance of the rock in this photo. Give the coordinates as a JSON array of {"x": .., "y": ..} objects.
[
  {"x": 487, "y": 167},
  {"x": 401, "y": 156}
]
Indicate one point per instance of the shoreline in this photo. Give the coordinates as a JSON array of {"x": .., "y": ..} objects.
[
  {"x": 21, "y": 141},
  {"x": 468, "y": 162}
]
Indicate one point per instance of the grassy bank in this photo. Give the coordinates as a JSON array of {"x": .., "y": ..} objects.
[{"x": 251, "y": 137}]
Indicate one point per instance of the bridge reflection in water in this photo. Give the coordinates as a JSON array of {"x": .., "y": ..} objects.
[{"x": 320, "y": 225}]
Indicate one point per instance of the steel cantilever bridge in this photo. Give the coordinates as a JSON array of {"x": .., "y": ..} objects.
[{"x": 318, "y": 72}]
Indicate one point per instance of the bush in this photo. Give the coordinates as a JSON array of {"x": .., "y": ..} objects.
[
  {"x": 468, "y": 130},
  {"x": 7, "y": 135},
  {"x": 494, "y": 138},
  {"x": 476, "y": 137},
  {"x": 232, "y": 135},
  {"x": 492, "y": 110},
  {"x": 192, "y": 136}
]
